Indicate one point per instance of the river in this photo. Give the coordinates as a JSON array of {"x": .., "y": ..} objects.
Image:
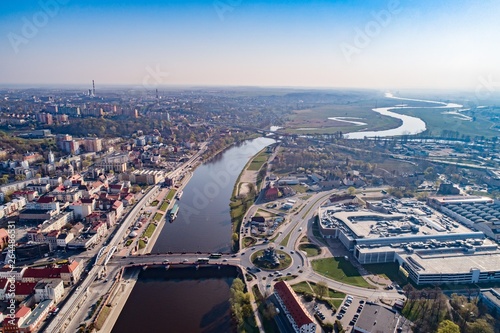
[
  {"x": 191, "y": 300},
  {"x": 411, "y": 125},
  {"x": 179, "y": 300},
  {"x": 203, "y": 223}
]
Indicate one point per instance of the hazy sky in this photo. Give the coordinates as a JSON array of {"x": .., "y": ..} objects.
[{"x": 382, "y": 44}]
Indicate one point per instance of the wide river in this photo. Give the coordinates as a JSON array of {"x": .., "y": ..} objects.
[
  {"x": 188, "y": 300},
  {"x": 411, "y": 125},
  {"x": 203, "y": 223}
]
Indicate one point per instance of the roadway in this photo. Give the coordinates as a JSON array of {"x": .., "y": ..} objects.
[{"x": 300, "y": 266}]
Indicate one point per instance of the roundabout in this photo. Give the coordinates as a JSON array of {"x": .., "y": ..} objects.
[{"x": 271, "y": 259}]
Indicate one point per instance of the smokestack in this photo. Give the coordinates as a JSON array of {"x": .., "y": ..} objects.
[{"x": 93, "y": 88}]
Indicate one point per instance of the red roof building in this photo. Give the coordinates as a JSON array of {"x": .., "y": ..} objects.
[
  {"x": 271, "y": 194},
  {"x": 11, "y": 325},
  {"x": 298, "y": 316}
]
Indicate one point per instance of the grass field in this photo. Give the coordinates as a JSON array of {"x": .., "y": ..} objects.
[
  {"x": 101, "y": 319},
  {"x": 164, "y": 206},
  {"x": 331, "y": 293},
  {"x": 340, "y": 269},
  {"x": 315, "y": 120},
  {"x": 171, "y": 194},
  {"x": 149, "y": 230},
  {"x": 154, "y": 203},
  {"x": 157, "y": 217},
  {"x": 311, "y": 250},
  {"x": 387, "y": 270},
  {"x": 249, "y": 241},
  {"x": 258, "y": 161},
  {"x": 302, "y": 287},
  {"x": 284, "y": 242},
  {"x": 436, "y": 122}
]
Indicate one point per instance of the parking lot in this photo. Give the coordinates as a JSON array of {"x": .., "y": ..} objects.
[{"x": 349, "y": 311}]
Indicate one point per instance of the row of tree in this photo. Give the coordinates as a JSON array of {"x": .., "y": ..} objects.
[{"x": 241, "y": 307}]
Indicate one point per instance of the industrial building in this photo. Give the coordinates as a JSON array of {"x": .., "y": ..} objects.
[{"x": 431, "y": 248}]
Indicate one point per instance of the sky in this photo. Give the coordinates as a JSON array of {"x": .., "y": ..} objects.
[{"x": 450, "y": 44}]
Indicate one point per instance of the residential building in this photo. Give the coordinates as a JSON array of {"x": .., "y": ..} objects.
[
  {"x": 49, "y": 289},
  {"x": 295, "y": 311},
  {"x": 36, "y": 317}
]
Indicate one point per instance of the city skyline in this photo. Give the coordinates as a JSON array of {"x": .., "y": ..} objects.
[{"x": 383, "y": 44}]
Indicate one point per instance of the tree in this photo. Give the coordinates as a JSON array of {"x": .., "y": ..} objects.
[
  {"x": 20, "y": 177},
  {"x": 479, "y": 326},
  {"x": 351, "y": 190},
  {"x": 235, "y": 237},
  {"x": 447, "y": 326},
  {"x": 321, "y": 289},
  {"x": 270, "y": 311}
]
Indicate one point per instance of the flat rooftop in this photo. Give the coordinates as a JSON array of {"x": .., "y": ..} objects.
[
  {"x": 493, "y": 295},
  {"x": 372, "y": 225},
  {"x": 460, "y": 263}
]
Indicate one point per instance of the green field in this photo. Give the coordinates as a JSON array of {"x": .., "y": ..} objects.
[
  {"x": 284, "y": 242},
  {"x": 258, "y": 161},
  {"x": 315, "y": 120},
  {"x": 437, "y": 122},
  {"x": 149, "y": 230},
  {"x": 171, "y": 194},
  {"x": 339, "y": 269},
  {"x": 157, "y": 217},
  {"x": 249, "y": 241},
  {"x": 302, "y": 287},
  {"x": 387, "y": 270},
  {"x": 164, "y": 206},
  {"x": 311, "y": 250}
]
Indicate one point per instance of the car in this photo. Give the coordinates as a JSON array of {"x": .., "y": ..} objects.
[
  {"x": 292, "y": 252},
  {"x": 270, "y": 274},
  {"x": 340, "y": 316},
  {"x": 282, "y": 247},
  {"x": 249, "y": 268},
  {"x": 165, "y": 261},
  {"x": 124, "y": 257},
  {"x": 184, "y": 260},
  {"x": 131, "y": 263},
  {"x": 253, "y": 248},
  {"x": 234, "y": 256},
  {"x": 288, "y": 273},
  {"x": 351, "y": 323},
  {"x": 361, "y": 301},
  {"x": 242, "y": 253},
  {"x": 224, "y": 260}
]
